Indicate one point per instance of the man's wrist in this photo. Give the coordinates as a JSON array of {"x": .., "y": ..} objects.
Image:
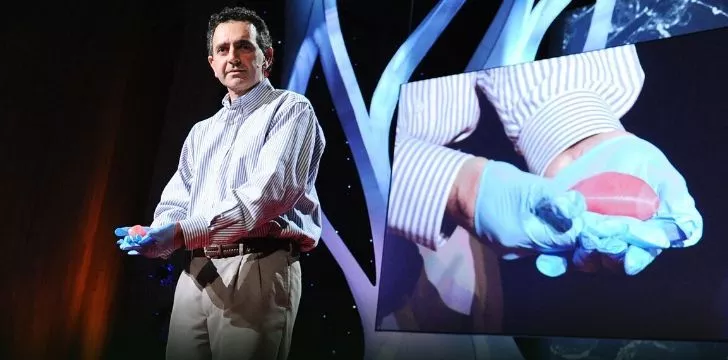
[
  {"x": 578, "y": 149},
  {"x": 461, "y": 200},
  {"x": 179, "y": 236},
  {"x": 195, "y": 232}
]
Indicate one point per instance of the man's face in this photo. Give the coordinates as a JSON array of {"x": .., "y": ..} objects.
[{"x": 236, "y": 59}]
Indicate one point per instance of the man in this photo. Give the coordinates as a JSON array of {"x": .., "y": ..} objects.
[{"x": 243, "y": 203}]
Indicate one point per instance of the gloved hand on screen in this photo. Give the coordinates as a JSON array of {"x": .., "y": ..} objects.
[
  {"x": 673, "y": 220},
  {"x": 148, "y": 242},
  {"x": 522, "y": 213}
]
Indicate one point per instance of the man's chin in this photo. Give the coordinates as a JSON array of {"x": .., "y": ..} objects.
[{"x": 239, "y": 87}]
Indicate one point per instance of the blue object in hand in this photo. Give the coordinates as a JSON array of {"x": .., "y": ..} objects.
[
  {"x": 152, "y": 245},
  {"x": 676, "y": 224},
  {"x": 130, "y": 237}
]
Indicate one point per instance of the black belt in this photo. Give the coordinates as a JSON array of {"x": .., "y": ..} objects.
[{"x": 244, "y": 247}]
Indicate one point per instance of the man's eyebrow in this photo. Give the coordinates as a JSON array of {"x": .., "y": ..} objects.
[{"x": 239, "y": 41}]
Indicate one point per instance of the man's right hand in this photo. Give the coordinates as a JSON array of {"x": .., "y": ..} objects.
[
  {"x": 130, "y": 237},
  {"x": 522, "y": 213}
]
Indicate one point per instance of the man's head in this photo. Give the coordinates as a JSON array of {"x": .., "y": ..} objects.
[{"x": 240, "y": 49}]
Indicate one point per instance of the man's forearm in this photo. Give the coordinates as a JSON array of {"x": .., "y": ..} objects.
[{"x": 461, "y": 200}]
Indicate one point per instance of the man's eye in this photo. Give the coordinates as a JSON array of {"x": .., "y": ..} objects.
[{"x": 245, "y": 46}]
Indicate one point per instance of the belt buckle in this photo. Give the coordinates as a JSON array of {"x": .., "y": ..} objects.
[{"x": 213, "y": 251}]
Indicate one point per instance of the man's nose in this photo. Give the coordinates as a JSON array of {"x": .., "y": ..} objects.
[{"x": 233, "y": 58}]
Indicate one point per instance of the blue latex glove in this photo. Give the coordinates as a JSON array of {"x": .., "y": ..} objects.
[
  {"x": 522, "y": 213},
  {"x": 676, "y": 224},
  {"x": 154, "y": 244}
]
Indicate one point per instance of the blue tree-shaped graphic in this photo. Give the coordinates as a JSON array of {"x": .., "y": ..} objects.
[{"x": 513, "y": 37}]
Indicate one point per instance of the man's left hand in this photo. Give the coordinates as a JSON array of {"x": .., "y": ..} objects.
[
  {"x": 676, "y": 224},
  {"x": 154, "y": 244}
]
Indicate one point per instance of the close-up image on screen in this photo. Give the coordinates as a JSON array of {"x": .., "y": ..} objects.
[{"x": 597, "y": 214}]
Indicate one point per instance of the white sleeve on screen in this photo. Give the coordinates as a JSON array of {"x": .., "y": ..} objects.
[
  {"x": 549, "y": 105},
  {"x": 432, "y": 113}
]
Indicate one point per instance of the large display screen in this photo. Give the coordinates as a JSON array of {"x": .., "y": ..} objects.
[{"x": 654, "y": 112}]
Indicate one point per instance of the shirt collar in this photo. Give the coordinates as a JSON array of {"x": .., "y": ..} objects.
[{"x": 252, "y": 99}]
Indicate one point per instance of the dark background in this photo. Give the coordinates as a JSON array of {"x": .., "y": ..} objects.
[{"x": 97, "y": 98}]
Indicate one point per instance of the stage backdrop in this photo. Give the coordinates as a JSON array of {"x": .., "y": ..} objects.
[
  {"x": 444, "y": 39},
  {"x": 350, "y": 58}
]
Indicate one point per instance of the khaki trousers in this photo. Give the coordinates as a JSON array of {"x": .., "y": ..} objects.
[{"x": 241, "y": 307}]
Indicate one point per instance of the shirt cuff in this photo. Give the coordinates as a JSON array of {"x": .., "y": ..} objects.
[
  {"x": 561, "y": 123},
  {"x": 422, "y": 177},
  {"x": 196, "y": 232}
]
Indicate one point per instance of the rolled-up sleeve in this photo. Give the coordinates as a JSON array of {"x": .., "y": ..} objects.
[
  {"x": 549, "y": 105},
  {"x": 432, "y": 114}
]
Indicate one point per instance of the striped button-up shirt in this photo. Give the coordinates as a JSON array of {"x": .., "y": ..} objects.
[
  {"x": 545, "y": 107},
  {"x": 248, "y": 171}
]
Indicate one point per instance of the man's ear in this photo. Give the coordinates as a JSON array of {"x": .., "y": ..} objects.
[
  {"x": 268, "y": 62},
  {"x": 209, "y": 61}
]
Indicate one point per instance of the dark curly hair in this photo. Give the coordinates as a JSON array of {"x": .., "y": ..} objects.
[{"x": 263, "y": 38}]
